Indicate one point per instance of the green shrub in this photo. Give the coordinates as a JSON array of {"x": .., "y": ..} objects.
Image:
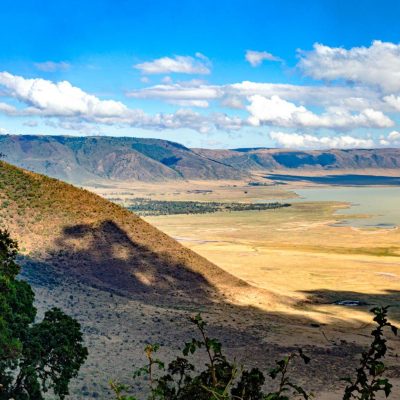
[
  {"x": 34, "y": 357},
  {"x": 222, "y": 379}
]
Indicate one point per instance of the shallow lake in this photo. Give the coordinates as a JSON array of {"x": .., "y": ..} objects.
[
  {"x": 382, "y": 204},
  {"x": 340, "y": 180}
]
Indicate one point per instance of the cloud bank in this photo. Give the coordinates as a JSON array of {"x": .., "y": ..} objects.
[
  {"x": 356, "y": 89},
  {"x": 70, "y": 104},
  {"x": 377, "y": 65},
  {"x": 308, "y": 141},
  {"x": 279, "y": 112}
]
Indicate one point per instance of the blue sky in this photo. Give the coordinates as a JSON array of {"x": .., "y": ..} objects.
[{"x": 309, "y": 74}]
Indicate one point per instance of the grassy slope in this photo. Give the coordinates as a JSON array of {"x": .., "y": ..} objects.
[{"x": 84, "y": 235}]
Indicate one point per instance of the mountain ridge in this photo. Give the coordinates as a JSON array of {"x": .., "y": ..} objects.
[
  {"x": 92, "y": 159},
  {"x": 85, "y": 159}
]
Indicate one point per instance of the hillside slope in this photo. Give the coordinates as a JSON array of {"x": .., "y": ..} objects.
[
  {"x": 73, "y": 232},
  {"x": 89, "y": 159}
]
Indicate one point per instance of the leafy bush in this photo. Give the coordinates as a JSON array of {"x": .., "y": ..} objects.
[
  {"x": 369, "y": 380},
  {"x": 34, "y": 357},
  {"x": 221, "y": 379}
]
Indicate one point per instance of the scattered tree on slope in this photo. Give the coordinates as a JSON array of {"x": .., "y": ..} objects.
[{"x": 34, "y": 357}]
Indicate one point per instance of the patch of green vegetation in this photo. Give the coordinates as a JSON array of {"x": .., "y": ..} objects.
[
  {"x": 37, "y": 198},
  {"x": 257, "y": 184},
  {"x": 260, "y": 184},
  {"x": 147, "y": 207},
  {"x": 35, "y": 357},
  {"x": 223, "y": 379}
]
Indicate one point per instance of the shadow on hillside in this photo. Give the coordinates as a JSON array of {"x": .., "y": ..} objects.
[{"x": 105, "y": 257}]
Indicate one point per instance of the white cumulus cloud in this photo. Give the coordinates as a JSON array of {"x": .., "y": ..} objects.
[
  {"x": 72, "y": 106},
  {"x": 316, "y": 95},
  {"x": 392, "y": 139},
  {"x": 58, "y": 99},
  {"x": 307, "y": 141},
  {"x": 339, "y": 108},
  {"x": 8, "y": 109},
  {"x": 279, "y": 112},
  {"x": 255, "y": 58},
  {"x": 377, "y": 65},
  {"x": 235, "y": 95},
  {"x": 393, "y": 101},
  {"x": 178, "y": 64},
  {"x": 394, "y": 136}
]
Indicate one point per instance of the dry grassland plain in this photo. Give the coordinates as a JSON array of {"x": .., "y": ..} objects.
[{"x": 295, "y": 252}]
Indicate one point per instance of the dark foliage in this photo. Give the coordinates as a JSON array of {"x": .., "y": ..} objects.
[
  {"x": 34, "y": 357},
  {"x": 221, "y": 379},
  {"x": 369, "y": 380},
  {"x": 162, "y": 207}
]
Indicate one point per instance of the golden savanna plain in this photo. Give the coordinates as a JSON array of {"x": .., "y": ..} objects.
[{"x": 298, "y": 253}]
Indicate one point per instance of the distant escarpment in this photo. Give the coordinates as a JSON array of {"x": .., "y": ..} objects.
[
  {"x": 346, "y": 159},
  {"x": 86, "y": 160},
  {"x": 90, "y": 159}
]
